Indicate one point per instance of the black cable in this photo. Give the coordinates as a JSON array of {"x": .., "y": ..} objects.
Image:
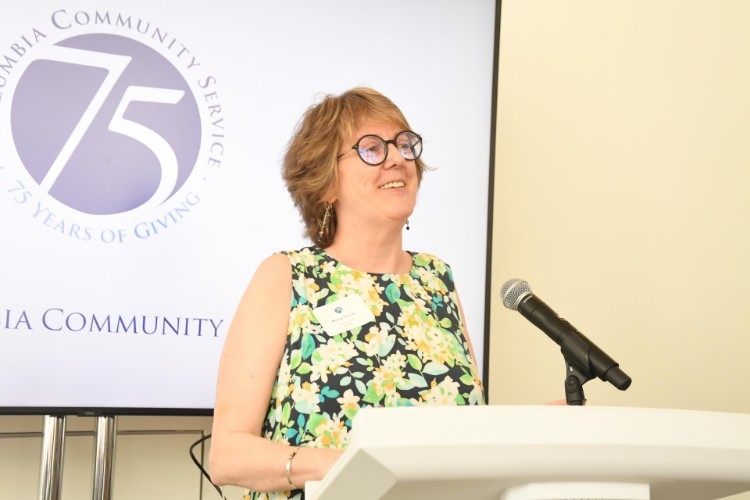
[{"x": 200, "y": 467}]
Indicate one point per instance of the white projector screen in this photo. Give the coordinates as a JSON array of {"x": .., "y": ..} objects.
[{"x": 140, "y": 186}]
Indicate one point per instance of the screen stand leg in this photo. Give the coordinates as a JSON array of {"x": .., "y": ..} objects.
[
  {"x": 53, "y": 448},
  {"x": 104, "y": 456}
]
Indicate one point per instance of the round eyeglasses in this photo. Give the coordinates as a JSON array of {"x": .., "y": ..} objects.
[{"x": 373, "y": 149}]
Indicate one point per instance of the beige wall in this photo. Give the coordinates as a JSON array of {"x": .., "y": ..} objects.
[
  {"x": 152, "y": 459},
  {"x": 622, "y": 196}
]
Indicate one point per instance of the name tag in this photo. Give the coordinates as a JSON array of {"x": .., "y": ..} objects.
[{"x": 344, "y": 314}]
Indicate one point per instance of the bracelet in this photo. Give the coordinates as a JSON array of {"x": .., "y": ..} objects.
[{"x": 289, "y": 469}]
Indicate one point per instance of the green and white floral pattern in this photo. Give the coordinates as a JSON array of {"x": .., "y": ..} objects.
[{"x": 414, "y": 353}]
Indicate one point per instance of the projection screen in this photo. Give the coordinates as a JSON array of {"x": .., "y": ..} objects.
[{"x": 140, "y": 148}]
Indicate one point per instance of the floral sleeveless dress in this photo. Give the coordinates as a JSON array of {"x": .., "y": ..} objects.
[{"x": 413, "y": 353}]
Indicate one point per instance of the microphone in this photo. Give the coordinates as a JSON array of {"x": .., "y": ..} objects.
[{"x": 576, "y": 348}]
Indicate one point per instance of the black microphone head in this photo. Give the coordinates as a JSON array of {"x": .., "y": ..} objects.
[{"x": 513, "y": 291}]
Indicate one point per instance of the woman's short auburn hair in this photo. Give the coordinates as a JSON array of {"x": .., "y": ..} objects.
[{"x": 310, "y": 163}]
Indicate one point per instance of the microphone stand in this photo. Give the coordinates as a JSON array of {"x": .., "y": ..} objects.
[
  {"x": 578, "y": 369},
  {"x": 574, "y": 381}
]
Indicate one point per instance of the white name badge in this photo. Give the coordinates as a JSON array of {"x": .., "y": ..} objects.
[{"x": 344, "y": 314}]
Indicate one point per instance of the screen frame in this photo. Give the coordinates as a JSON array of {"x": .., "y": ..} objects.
[{"x": 145, "y": 411}]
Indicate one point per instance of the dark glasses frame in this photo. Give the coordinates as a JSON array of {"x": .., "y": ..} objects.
[{"x": 386, "y": 149}]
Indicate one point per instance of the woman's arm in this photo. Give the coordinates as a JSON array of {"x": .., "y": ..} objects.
[{"x": 249, "y": 363}]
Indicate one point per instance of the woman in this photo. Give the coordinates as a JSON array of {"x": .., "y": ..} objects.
[{"x": 368, "y": 324}]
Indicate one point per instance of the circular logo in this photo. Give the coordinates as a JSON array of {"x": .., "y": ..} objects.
[{"x": 105, "y": 124}]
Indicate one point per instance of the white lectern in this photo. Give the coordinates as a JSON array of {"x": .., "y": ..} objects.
[{"x": 540, "y": 453}]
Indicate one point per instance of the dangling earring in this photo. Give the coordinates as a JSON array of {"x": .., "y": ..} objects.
[
  {"x": 407, "y": 224},
  {"x": 329, "y": 207}
]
